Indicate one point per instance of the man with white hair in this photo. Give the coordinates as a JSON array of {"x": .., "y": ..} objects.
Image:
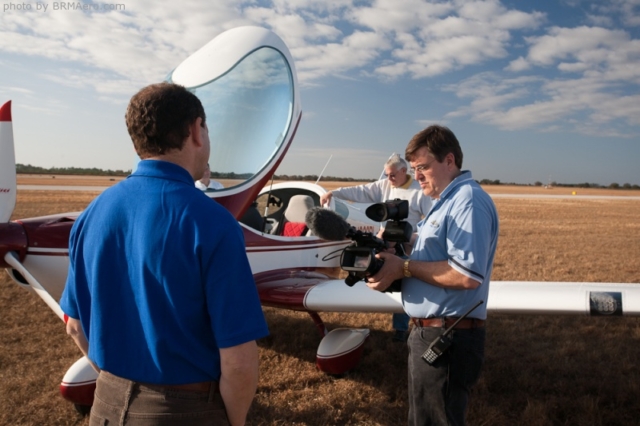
[{"x": 400, "y": 185}]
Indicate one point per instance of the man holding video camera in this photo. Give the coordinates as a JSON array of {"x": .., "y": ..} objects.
[
  {"x": 398, "y": 185},
  {"x": 447, "y": 274}
]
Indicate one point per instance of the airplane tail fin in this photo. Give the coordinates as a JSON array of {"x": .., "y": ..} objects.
[{"x": 8, "y": 184}]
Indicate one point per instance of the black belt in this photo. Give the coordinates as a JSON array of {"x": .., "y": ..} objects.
[{"x": 446, "y": 322}]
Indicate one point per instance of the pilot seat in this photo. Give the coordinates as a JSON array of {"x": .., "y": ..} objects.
[{"x": 292, "y": 224}]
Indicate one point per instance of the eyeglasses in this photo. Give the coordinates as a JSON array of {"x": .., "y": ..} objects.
[
  {"x": 420, "y": 168},
  {"x": 395, "y": 174}
]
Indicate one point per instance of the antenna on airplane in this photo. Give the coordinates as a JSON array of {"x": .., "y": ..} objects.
[{"x": 325, "y": 166}]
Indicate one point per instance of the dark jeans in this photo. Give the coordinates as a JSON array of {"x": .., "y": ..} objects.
[
  {"x": 439, "y": 393},
  {"x": 119, "y": 401},
  {"x": 400, "y": 322}
]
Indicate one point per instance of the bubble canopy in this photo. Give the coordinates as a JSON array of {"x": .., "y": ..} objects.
[{"x": 249, "y": 111}]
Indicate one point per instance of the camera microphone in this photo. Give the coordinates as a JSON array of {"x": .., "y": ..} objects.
[
  {"x": 358, "y": 259},
  {"x": 327, "y": 224}
]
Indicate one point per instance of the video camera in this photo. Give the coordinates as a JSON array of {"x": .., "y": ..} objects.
[{"x": 359, "y": 259}]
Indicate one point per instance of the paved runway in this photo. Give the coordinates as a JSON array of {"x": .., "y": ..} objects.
[{"x": 569, "y": 196}]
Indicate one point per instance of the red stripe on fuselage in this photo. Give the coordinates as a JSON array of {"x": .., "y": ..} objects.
[
  {"x": 287, "y": 288},
  {"x": 49, "y": 232}
]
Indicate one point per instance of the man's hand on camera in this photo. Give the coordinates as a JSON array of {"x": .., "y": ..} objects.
[
  {"x": 390, "y": 271},
  {"x": 391, "y": 245},
  {"x": 391, "y": 248}
]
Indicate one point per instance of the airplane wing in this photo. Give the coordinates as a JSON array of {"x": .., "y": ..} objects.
[
  {"x": 568, "y": 298},
  {"x": 315, "y": 292}
]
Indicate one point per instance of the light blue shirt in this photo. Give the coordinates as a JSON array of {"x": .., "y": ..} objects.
[{"x": 461, "y": 228}]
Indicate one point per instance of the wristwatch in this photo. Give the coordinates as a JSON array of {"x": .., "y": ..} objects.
[{"x": 406, "y": 268}]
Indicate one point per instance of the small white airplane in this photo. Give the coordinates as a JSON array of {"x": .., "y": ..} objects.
[{"x": 246, "y": 80}]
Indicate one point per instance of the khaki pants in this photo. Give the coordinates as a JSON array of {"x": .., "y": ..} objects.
[{"x": 119, "y": 401}]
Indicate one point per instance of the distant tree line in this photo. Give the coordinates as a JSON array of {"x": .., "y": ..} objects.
[
  {"x": 28, "y": 168},
  {"x": 564, "y": 185},
  {"x": 313, "y": 178}
]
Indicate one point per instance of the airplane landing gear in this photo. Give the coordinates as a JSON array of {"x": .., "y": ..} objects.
[{"x": 83, "y": 410}]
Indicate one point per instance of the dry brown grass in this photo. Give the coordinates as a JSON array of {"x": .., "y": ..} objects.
[
  {"x": 539, "y": 370},
  {"x": 64, "y": 180},
  {"x": 67, "y": 180}
]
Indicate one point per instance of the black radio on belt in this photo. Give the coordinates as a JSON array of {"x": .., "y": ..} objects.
[{"x": 442, "y": 342}]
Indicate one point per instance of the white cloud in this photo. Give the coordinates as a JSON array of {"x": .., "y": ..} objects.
[
  {"x": 115, "y": 52},
  {"x": 600, "y": 21},
  {"x": 510, "y": 104},
  {"x": 294, "y": 29},
  {"x": 519, "y": 64},
  {"x": 102, "y": 82},
  {"x": 515, "y": 20},
  {"x": 147, "y": 39},
  {"x": 592, "y": 91},
  {"x": 356, "y": 50},
  {"x": 627, "y": 10},
  {"x": 6, "y": 89},
  {"x": 590, "y": 44},
  {"x": 321, "y": 6},
  {"x": 432, "y": 39},
  {"x": 141, "y": 43}
]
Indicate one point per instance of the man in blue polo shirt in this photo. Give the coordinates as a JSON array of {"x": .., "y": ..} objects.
[
  {"x": 447, "y": 273},
  {"x": 160, "y": 295}
]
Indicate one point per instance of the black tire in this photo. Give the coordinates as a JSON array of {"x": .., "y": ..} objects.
[{"x": 84, "y": 410}]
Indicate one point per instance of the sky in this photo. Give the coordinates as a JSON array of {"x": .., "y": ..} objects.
[{"x": 535, "y": 91}]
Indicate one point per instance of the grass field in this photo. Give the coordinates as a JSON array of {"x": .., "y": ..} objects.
[
  {"x": 539, "y": 370},
  {"x": 62, "y": 180}
]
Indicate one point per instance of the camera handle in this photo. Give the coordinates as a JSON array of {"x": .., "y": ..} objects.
[
  {"x": 351, "y": 279},
  {"x": 396, "y": 286}
]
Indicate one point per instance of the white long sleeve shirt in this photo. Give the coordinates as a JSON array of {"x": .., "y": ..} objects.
[
  {"x": 382, "y": 190},
  {"x": 213, "y": 184}
]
